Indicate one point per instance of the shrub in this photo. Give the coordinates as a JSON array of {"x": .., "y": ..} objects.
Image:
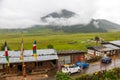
[
  {"x": 84, "y": 77},
  {"x": 109, "y": 75},
  {"x": 50, "y": 46},
  {"x": 95, "y": 77},
  {"x": 62, "y": 76}
]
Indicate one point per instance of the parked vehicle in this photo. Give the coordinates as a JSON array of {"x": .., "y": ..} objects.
[
  {"x": 82, "y": 64},
  {"x": 71, "y": 69},
  {"x": 106, "y": 60}
]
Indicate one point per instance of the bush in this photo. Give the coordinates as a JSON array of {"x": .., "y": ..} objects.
[
  {"x": 108, "y": 75},
  {"x": 62, "y": 76},
  {"x": 84, "y": 77},
  {"x": 113, "y": 74},
  {"x": 50, "y": 46},
  {"x": 94, "y": 77}
]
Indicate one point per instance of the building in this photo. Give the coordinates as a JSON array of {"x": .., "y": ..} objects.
[
  {"x": 70, "y": 56},
  {"x": 46, "y": 60},
  {"x": 108, "y": 49},
  {"x": 116, "y": 43}
]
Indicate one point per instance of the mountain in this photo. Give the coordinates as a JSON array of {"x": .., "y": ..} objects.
[
  {"x": 105, "y": 24},
  {"x": 62, "y": 17},
  {"x": 95, "y": 25},
  {"x": 80, "y": 28},
  {"x": 62, "y": 14},
  {"x": 69, "y": 21}
]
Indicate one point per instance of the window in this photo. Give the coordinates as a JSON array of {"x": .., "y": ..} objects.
[
  {"x": 64, "y": 59},
  {"x": 67, "y": 59}
]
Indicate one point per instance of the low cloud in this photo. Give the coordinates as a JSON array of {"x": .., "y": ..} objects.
[{"x": 77, "y": 19}]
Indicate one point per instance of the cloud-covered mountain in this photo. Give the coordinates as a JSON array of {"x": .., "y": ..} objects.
[
  {"x": 69, "y": 21},
  {"x": 61, "y": 14},
  {"x": 64, "y": 17}
]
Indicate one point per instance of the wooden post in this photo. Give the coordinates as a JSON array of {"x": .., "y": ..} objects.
[
  {"x": 24, "y": 72},
  {"x": 114, "y": 58},
  {"x": 23, "y": 65},
  {"x": 36, "y": 63},
  {"x": 9, "y": 69},
  {"x": 100, "y": 65},
  {"x": 23, "y": 69}
]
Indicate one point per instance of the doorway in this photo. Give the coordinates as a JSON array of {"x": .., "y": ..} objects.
[{"x": 20, "y": 68}]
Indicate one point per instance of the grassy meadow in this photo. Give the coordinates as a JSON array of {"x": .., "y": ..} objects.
[{"x": 60, "y": 40}]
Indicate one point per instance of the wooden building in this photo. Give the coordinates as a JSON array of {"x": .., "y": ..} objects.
[
  {"x": 108, "y": 49},
  {"x": 47, "y": 59},
  {"x": 70, "y": 56}
]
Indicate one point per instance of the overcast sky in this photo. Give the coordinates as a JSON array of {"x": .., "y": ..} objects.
[{"x": 25, "y": 13}]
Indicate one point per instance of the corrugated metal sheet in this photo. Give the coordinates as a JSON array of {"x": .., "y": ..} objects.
[
  {"x": 14, "y": 56},
  {"x": 108, "y": 47},
  {"x": 116, "y": 42},
  {"x": 111, "y": 47},
  {"x": 105, "y": 47},
  {"x": 70, "y": 52}
]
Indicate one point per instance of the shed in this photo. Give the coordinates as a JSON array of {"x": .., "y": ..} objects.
[
  {"x": 70, "y": 56},
  {"x": 46, "y": 59},
  {"x": 103, "y": 49},
  {"x": 116, "y": 43}
]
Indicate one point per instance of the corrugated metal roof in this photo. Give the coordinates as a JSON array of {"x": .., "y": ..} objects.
[
  {"x": 116, "y": 42},
  {"x": 105, "y": 47},
  {"x": 97, "y": 48},
  {"x": 70, "y": 52},
  {"x": 111, "y": 47},
  {"x": 14, "y": 56}
]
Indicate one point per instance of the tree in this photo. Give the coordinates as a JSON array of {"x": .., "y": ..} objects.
[{"x": 97, "y": 39}]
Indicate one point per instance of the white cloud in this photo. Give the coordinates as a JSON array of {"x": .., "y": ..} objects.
[
  {"x": 68, "y": 21},
  {"x": 108, "y": 9},
  {"x": 24, "y": 13}
]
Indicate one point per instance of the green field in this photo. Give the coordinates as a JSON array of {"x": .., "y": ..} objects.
[{"x": 60, "y": 41}]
